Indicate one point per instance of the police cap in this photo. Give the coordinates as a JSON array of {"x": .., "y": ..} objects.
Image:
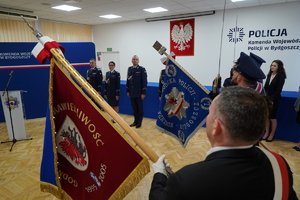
[
  {"x": 248, "y": 68},
  {"x": 242, "y": 54},
  {"x": 257, "y": 59}
]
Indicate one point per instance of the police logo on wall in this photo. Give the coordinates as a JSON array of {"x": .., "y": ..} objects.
[
  {"x": 11, "y": 102},
  {"x": 71, "y": 145},
  {"x": 236, "y": 34},
  {"x": 175, "y": 104},
  {"x": 171, "y": 70}
]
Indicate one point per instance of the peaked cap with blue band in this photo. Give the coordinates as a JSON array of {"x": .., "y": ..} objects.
[
  {"x": 257, "y": 59},
  {"x": 249, "y": 68}
]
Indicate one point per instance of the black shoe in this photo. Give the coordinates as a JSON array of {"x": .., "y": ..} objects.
[
  {"x": 262, "y": 138},
  {"x": 113, "y": 121},
  {"x": 295, "y": 147},
  {"x": 138, "y": 125},
  {"x": 267, "y": 140},
  {"x": 133, "y": 124}
]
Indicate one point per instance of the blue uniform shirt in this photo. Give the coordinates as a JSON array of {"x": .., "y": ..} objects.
[
  {"x": 94, "y": 77},
  {"x": 136, "y": 84}
]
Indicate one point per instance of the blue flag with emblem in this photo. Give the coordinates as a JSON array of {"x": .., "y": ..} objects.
[{"x": 184, "y": 103}]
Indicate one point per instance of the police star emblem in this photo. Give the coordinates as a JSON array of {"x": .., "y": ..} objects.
[
  {"x": 232, "y": 35},
  {"x": 11, "y": 102},
  {"x": 175, "y": 104}
]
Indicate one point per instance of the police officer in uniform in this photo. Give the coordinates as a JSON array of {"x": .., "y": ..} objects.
[
  {"x": 161, "y": 82},
  {"x": 94, "y": 77},
  {"x": 136, "y": 89},
  {"x": 112, "y": 86},
  {"x": 162, "y": 74},
  {"x": 247, "y": 73}
]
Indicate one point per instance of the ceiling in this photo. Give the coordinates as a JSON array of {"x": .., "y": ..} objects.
[{"x": 129, "y": 9}]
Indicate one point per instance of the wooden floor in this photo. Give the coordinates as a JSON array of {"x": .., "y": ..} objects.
[{"x": 20, "y": 168}]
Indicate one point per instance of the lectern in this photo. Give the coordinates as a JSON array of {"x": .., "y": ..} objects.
[{"x": 14, "y": 100}]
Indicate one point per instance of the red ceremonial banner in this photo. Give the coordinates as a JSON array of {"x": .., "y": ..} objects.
[
  {"x": 94, "y": 159},
  {"x": 182, "y": 37}
]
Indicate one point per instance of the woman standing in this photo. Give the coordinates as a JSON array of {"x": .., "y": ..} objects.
[
  {"x": 112, "y": 86},
  {"x": 297, "y": 109},
  {"x": 273, "y": 87}
]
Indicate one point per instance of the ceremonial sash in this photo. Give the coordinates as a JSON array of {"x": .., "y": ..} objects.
[
  {"x": 281, "y": 176},
  {"x": 259, "y": 87}
]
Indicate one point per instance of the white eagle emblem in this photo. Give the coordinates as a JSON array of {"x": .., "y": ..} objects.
[{"x": 181, "y": 36}]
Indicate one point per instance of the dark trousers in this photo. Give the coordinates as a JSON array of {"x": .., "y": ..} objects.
[{"x": 138, "y": 110}]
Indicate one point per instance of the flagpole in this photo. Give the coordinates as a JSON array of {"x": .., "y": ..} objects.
[
  {"x": 220, "y": 56},
  {"x": 264, "y": 146},
  {"x": 235, "y": 40},
  {"x": 94, "y": 94}
]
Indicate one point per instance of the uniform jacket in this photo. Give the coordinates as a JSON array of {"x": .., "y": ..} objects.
[
  {"x": 297, "y": 107},
  {"x": 161, "y": 81},
  {"x": 136, "y": 84},
  {"x": 297, "y": 103},
  {"x": 274, "y": 88},
  {"x": 112, "y": 84},
  {"x": 94, "y": 77},
  {"x": 232, "y": 174}
]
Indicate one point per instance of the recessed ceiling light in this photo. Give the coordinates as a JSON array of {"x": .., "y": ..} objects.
[
  {"x": 72, "y": 1},
  {"x": 110, "y": 16},
  {"x": 236, "y": 0},
  {"x": 155, "y": 10},
  {"x": 66, "y": 8}
]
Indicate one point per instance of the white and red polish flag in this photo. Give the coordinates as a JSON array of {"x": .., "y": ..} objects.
[
  {"x": 165, "y": 59},
  {"x": 42, "y": 49}
]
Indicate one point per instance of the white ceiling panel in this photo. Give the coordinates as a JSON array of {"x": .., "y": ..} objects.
[{"x": 128, "y": 9}]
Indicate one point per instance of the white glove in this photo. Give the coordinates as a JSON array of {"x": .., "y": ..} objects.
[{"x": 160, "y": 166}]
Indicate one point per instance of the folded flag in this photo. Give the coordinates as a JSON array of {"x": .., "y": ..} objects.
[
  {"x": 165, "y": 59},
  {"x": 184, "y": 105},
  {"x": 42, "y": 49}
]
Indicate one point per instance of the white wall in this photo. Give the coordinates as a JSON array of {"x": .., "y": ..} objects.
[{"x": 137, "y": 37}]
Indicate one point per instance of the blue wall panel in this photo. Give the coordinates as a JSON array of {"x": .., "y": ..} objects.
[{"x": 33, "y": 77}]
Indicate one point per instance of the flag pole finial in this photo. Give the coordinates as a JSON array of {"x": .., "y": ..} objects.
[
  {"x": 160, "y": 48},
  {"x": 35, "y": 32}
]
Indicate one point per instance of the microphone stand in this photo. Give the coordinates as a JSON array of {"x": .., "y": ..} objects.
[{"x": 14, "y": 140}]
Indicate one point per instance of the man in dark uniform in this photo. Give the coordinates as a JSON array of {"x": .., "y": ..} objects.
[
  {"x": 94, "y": 77},
  {"x": 162, "y": 74},
  {"x": 247, "y": 73},
  {"x": 136, "y": 89},
  {"x": 234, "y": 168},
  {"x": 161, "y": 82}
]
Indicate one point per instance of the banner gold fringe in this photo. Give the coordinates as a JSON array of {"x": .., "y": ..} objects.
[
  {"x": 131, "y": 181},
  {"x": 52, "y": 189}
]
